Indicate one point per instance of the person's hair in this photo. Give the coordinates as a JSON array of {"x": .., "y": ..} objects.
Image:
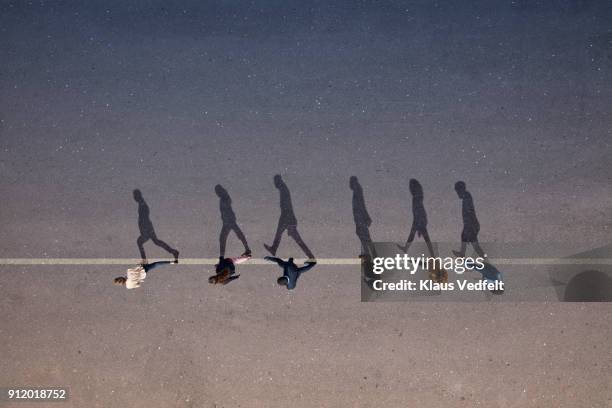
[
  {"x": 120, "y": 280},
  {"x": 224, "y": 263},
  {"x": 283, "y": 281}
]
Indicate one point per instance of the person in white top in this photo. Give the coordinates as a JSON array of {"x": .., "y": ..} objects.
[{"x": 135, "y": 276}]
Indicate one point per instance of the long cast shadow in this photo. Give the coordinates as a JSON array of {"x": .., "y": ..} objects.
[
  {"x": 147, "y": 232},
  {"x": 287, "y": 220},
  {"x": 362, "y": 219},
  {"x": 228, "y": 218},
  {"x": 419, "y": 217},
  {"x": 471, "y": 226}
]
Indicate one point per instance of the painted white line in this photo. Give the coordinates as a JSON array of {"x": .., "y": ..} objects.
[
  {"x": 552, "y": 261},
  {"x": 186, "y": 261},
  {"x": 260, "y": 261}
]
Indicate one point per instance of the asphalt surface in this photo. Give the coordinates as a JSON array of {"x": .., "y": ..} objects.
[{"x": 99, "y": 100}]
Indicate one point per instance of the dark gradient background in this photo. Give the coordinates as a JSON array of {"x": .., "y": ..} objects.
[{"x": 98, "y": 98}]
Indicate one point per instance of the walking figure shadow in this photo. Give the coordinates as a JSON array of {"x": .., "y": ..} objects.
[
  {"x": 419, "y": 218},
  {"x": 362, "y": 219},
  {"x": 287, "y": 220},
  {"x": 147, "y": 232},
  {"x": 471, "y": 226},
  {"x": 228, "y": 218}
]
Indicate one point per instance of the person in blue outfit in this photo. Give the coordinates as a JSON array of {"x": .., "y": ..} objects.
[
  {"x": 491, "y": 274},
  {"x": 291, "y": 272}
]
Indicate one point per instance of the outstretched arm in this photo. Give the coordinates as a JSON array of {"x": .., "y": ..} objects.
[
  {"x": 241, "y": 259},
  {"x": 308, "y": 265},
  {"x": 279, "y": 261}
]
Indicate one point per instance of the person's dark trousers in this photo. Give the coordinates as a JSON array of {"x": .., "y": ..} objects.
[{"x": 149, "y": 267}]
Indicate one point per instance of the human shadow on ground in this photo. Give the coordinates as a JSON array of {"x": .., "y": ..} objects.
[
  {"x": 147, "y": 232},
  {"x": 287, "y": 221},
  {"x": 228, "y": 219}
]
